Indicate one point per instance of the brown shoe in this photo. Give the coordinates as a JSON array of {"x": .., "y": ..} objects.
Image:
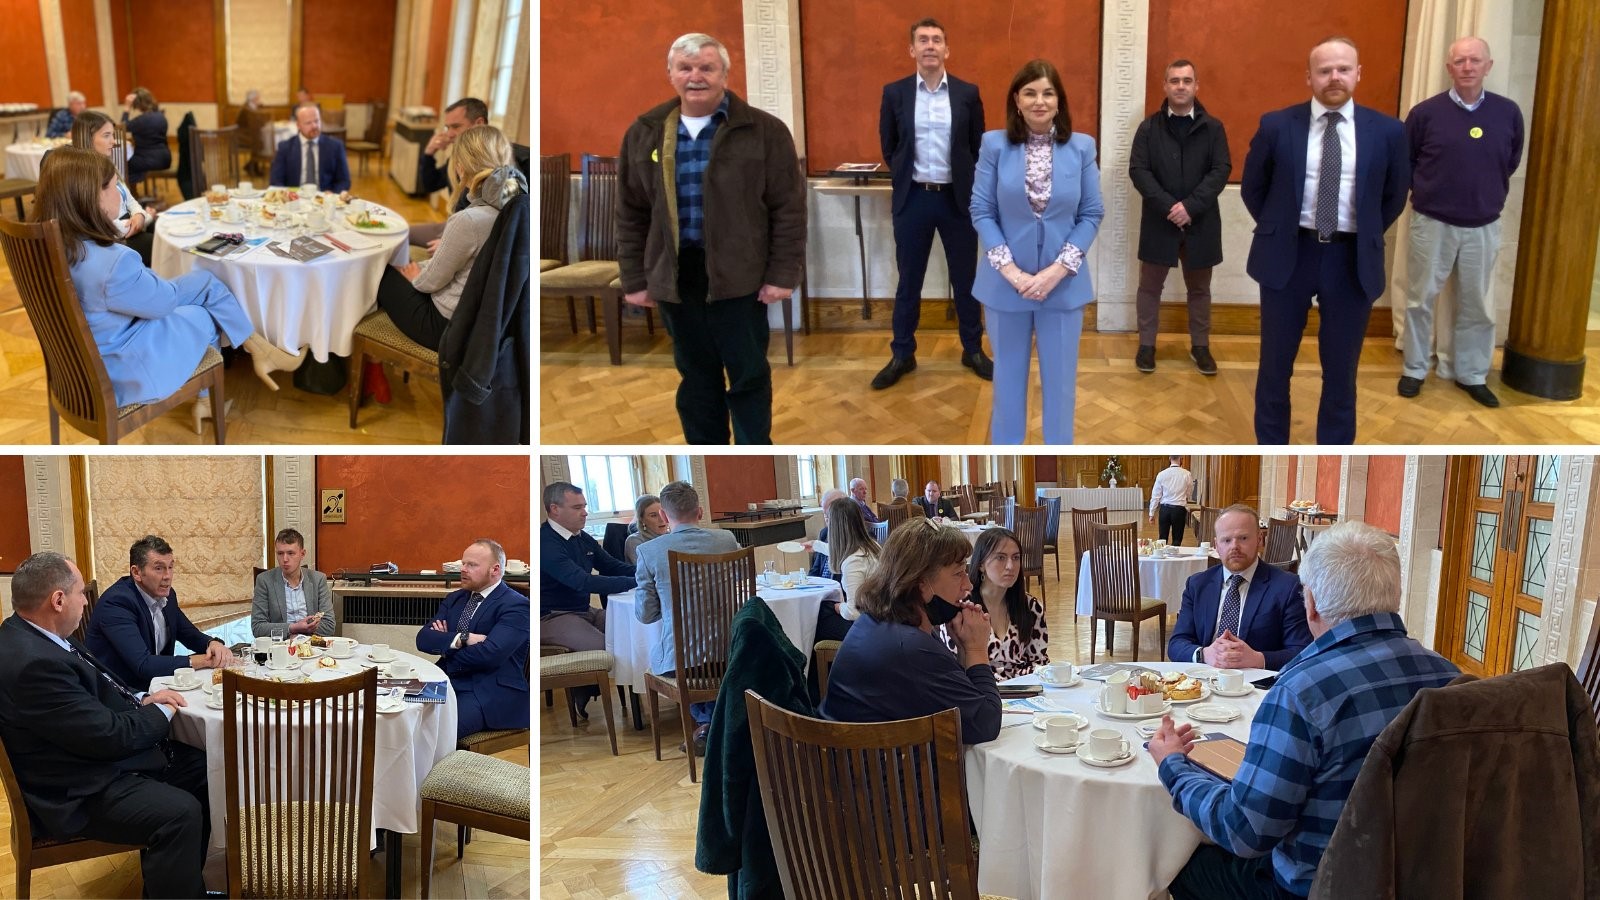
[{"x": 700, "y": 739}]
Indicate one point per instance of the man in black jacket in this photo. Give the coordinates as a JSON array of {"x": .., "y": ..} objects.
[{"x": 1179, "y": 164}]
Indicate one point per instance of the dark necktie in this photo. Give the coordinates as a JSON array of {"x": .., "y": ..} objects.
[
  {"x": 1328, "y": 177},
  {"x": 466, "y": 617},
  {"x": 123, "y": 689},
  {"x": 1231, "y": 605},
  {"x": 309, "y": 176}
]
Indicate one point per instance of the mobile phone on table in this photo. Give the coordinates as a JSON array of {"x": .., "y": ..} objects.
[{"x": 1265, "y": 683}]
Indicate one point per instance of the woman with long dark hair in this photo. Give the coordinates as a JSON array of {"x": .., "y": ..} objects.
[
  {"x": 95, "y": 131},
  {"x": 1018, "y": 641},
  {"x": 853, "y": 551}
]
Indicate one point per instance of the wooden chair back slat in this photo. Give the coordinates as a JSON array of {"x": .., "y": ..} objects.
[
  {"x": 1052, "y": 524},
  {"x": 597, "y": 208},
  {"x": 91, "y": 594},
  {"x": 708, "y": 590},
  {"x": 555, "y": 190},
  {"x": 1082, "y": 534},
  {"x": 895, "y": 515},
  {"x": 1114, "y": 568},
  {"x": 213, "y": 157},
  {"x": 1281, "y": 537},
  {"x": 1029, "y": 525},
  {"x": 864, "y": 810},
  {"x": 1207, "y": 521}
]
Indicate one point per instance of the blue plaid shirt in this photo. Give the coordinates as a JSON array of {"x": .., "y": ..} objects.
[
  {"x": 60, "y": 124},
  {"x": 1307, "y": 744},
  {"x": 694, "y": 154}
]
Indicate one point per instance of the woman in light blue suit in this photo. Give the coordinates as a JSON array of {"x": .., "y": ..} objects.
[
  {"x": 1036, "y": 207},
  {"x": 150, "y": 332}
]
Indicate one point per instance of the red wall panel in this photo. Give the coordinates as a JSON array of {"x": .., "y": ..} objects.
[
  {"x": 1328, "y": 482},
  {"x": 602, "y": 63},
  {"x": 1386, "y": 478},
  {"x": 23, "y": 76},
  {"x": 438, "y": 51},
  {"x": 852, "y": 48},
  {"x": 346, "y": 48},
  {"x": 122, "y": 54},
  {"x": 1250, "y": 55},
  {"x": 420, "y": 511},
  {"x": 1044, "y": 469},
  {"x": 14, "y": 543},
  {"x": 171, "y": 44},
  {"x": 733, "y": 481},
  {"x": 83, "y": 49}
]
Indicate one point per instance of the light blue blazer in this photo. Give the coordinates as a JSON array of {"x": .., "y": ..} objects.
[
  {"x": 1001, "y": 215},
  {"x": 151, "y": 332}
]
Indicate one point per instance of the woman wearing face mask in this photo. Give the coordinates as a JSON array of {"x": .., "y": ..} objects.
[
  {"x": 891, "y": 665},
  {"x": 1018, "y": 641},
  {"x": 652, "y": 523}
]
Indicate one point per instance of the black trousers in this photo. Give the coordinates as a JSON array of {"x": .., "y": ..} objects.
[
  {"x": 830, "y": 627},
  {"x": 413, "y": 311},
  {"x": 925, "y": 213},
  {"x": 1171, "y": 520},
  {"x": 168, "y": 813},
  {"x": 143, "y": 242},
  {"x": 1213, "y": 873},
  {"x": 710, "y": 338}
]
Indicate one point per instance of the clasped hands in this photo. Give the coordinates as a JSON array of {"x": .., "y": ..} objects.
[
  {"x": 472, "y": 637},
  {"x": 1228, "y": 652},
  {"x": 1038, "y": 285},
  {"x": 1179, "y": 215}
]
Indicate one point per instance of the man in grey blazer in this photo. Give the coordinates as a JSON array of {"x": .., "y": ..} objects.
[
  {"x": 291, "y": 593},
  {"x": 681, "y": 503}
]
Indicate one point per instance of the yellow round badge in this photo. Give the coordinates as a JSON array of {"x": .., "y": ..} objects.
[{"x": 1476, "y": 132}]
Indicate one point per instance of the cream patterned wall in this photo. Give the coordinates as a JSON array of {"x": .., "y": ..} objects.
[
  {"x": 258, "y": 43},
  {"x": 211, "y": 509}
]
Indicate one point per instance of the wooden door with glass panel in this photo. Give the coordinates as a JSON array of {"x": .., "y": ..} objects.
[{"x": 1496, "y": 568}]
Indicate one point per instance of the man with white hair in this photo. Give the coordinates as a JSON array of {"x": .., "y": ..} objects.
[
  {"x": 1272, "y": 823},
  {"x": 858, "y": 493},
  {"x": 61, "y": 122},
  {"x": 711, "y": 227}
]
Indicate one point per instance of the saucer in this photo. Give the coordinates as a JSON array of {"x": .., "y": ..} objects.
[
  {"x": 1083, "y": 754},
  {"x": 216, "y": 705},
  {"x": 1082, "y": 722},
  {"x": 191, "y": 229},
  {"x": 294, "y": 663},
  {"x": 1076, "y": 680},
  {"x": 385, "y": 706},
  {"x": 1166, "y": 707},
  {"x": 1039, "y": 742},
  {"x": 1147, "y": 730},
  {"x": 385, "y": 661},
  {"x": 251, "y": 194},
  {"x": 186, "y": 688},
  {"x": 1245, "y": 691},
  {"x": 1213, "y": 712},
  {"x": 1200, "y": 673}
]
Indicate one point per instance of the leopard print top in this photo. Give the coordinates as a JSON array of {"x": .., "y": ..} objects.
[{"x": 1010, "y": 657}]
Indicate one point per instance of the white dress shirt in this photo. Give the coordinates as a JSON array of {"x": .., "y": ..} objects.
[
  {"x": 1469, "y": 107},
  {"x": 1172, "y": 487},
  {"x": 932, "y": 152},
  {"x": 1249, "y": 575},
  {"x": 157, "y": 620},
  {"x": 1347, "y": 166},
  {"x": 555, "y": 526}
]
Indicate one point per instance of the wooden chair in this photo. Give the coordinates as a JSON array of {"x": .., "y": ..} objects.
[
  {"x": 80, "y": 389},
  {"x": 1114, "y": 574},
  {"x": 30, "y": 851},
  {"x": 371, "y": 142},
  {"x": 1052, "y": 532},
  {"x": 1206, "y": 523},
  {"x": 299, "y": 830},
  {"x": 555, "y": 188},
  {"x": 14, "y": 189},
  {"x": 474, "y": 791},
  {"x": 567, "y": 670},
  {"x": 591, "y": 276},
  {"x": 707, "y": 591},
  {"x": 1589, "y": 668},
  {"x": 895, "y": 515},
  {"x": 377, "y": 338},
  {"x": 864, "y": 809},
  {"x": 213, "y": 158},
  {"x": 826, "y": 651},
  {"x": 1282, "y": 535},
  {"x": 91, "y": 593},
  {"x": 1029, "y": 524}
]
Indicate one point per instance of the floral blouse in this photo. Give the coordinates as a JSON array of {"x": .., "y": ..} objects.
[
  {"x": 1037, "y": 181},
  {"x": 1011, "y": 657}
]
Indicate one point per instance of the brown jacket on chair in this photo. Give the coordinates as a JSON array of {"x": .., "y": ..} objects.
[{"x": 1485, "y": 788}]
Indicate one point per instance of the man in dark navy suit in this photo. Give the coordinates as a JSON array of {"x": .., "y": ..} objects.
[
  {"x": 1243, "y": 614},
  {"x": 1324, "y": 180},
  {"x": 326, "y": 166},
  {"x": 137, "y": 624},
  {"x": 481, "y": 633},
  {"x": 931, "y": 126}
]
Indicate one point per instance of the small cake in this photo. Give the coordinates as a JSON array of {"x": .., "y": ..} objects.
[
  {"x": 328, "y": 662},
  {"x": 216, "y": 676},
  {"x": 1184, "y": 689}
]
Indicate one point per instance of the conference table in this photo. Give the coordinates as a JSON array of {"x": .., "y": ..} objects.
[
  {"x": 1053, "y": 826},
  {"x": 1110, "y": 499},
  {"x": 23, "y": 158},
  {"x": 316, "y": 305},
  {"x": 1160, "y": 577}
]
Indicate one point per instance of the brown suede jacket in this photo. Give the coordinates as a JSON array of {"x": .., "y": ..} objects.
[
  {"x": 755, "y": 205},
  {"x": 1486, "y": 788}
]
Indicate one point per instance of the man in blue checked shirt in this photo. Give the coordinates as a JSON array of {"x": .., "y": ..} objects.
[{"x": 1312, "y": 732}]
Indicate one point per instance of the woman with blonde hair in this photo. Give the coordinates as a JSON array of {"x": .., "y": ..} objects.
[
  {"x": 95, "y": 131},
  {"x": 891, "y": 664},
  {"x": 421, "y": 297},
  {"x": 652, "y": 523}
]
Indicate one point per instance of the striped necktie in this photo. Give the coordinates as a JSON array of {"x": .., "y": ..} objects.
[
  {"x": 1329, "y": 177},
  {"x": 1231, "y": 606},
  {"x": 466, "y": 617},
  {"x": 123, "y": 689}
]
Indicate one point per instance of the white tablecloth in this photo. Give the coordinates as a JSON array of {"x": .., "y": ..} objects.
[
  {"x": 880, "y": 530},
  {"x": 630, "y": 640},
  {"x": 406, "y": 747},
  {"x": 293, "y": 304},
  {"x": 1160, "y": 577},
  {"x": 1052, "y": 826},
  {"x": 22, "y": 160},
  {"x": 1093, "y": 498}
]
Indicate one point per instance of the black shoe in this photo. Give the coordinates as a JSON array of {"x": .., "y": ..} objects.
[
  {"x": 1409, "y": 387},
  {"x": 1145, "y": 359},
  {"x": 1480, "y": 393},
  {"x": 891, "y": 373},
  {"x": 700, "y": 739},
  {"x": 1203, "y": 361},
  {"x": 979, "y": 363}
]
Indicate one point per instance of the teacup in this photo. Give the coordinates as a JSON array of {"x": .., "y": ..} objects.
[
  {"x": 214, "y": 700},
  {"x": 308, "y": 191},
  {"x": 382, "y": 653},
  {"x": 1061, "y": 731},
  {"x": 341, "y": 647},
  {"x": 184, "y": 678},
  {"x": 246, "y": 187},
  {"x": 1056, "y": 673},
  {"x": 1229, "y": 681},
  {"x": 1107, "y": 744},
  {"x": 1114, "y": 699},
  {"x": 1205, "y": 548},
  {"x": 280, "y": 656},
  {"x": 401, "y": 668}
]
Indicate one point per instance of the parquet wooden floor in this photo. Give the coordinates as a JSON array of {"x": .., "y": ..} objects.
[
  {"x": 825, "y": 397},
  {"x": 624, "y": 826},
  {"x": 260, "y": 416}
]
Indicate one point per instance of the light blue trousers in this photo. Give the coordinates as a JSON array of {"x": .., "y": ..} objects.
[{"x": 1011, "y": 337}]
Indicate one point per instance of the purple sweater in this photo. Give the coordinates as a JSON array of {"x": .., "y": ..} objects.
[{"x": 1456, "y": 178}]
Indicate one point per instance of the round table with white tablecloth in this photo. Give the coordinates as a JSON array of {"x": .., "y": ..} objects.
[
  {"x": 1160, "y": 577},
  {"x": 630, "y": 640},
  {"x": 22, "y": 160},
  {"x": 316, "y": 305},
  {"x": 1054, "y": 826},
  {"x": 406, "y": 747},
  {"x": 880, "y": 530}
]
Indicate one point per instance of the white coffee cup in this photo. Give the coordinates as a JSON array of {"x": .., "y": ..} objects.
[
  {"x": 232, "y": 214},
  {"x": 246, "y": 187},
  {"x": 1205, "y": 548},
  {"x": 280, "y": 656},
  {"x": 1056, "y": 673},
  {"x": 400, "y": 668},
  {"x": 1061, "y": 731},
  {"x": 1107, "y": 744},
  {"x": 214, "y": 700},
  {"x": 1229, "y": 681},
  {"x": 382, "y": 653},
  {"x": 1114, "y": 699},
  {"x": 184, "y": 677},
  {"x": 341, "y": 647},
  {"x": 798, "y": 577},
  {"x": 219, "y": 188},
  {"x": 1151, "y": 703},
  {"x": 308, "y": 191}
]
